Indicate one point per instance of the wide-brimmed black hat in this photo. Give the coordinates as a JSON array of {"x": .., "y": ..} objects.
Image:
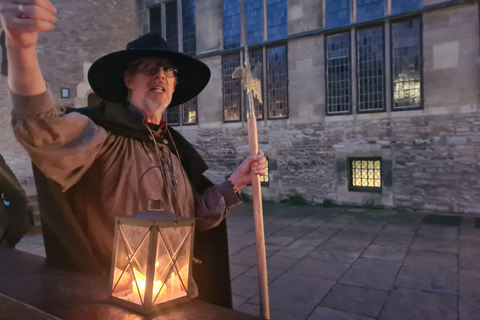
[{"x": 106, "y": 74}]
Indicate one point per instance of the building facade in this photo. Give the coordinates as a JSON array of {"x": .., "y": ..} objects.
[
  {"x": 85, "y": 31},
  {"x": 364, "y": 102}
]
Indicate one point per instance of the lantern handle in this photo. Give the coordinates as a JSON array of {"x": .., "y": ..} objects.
[{"x": 162, "y": 170}]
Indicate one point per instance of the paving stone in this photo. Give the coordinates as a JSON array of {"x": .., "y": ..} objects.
[
  {"x": 469, "y": 259},
  {"x": 294, "y": 231},
  {"x": 431, "y": 260},
  {"x": 469, "y": 235},
  {"x": 368, "y": 226},
  {"x": 351, "y": 236},
  {"x": 322, "y": 313},
  {"x": 296, "y": 250},
  {"x": 320, "y": 269},
  {"x": 334, "y": 251},
  {"x": 273, "y": 227},
  {"x": 238, "y": 301},
  {"x": 310, "y": 222},
  {"x": 254, "y": 309},
  {"x": 400, "y": 228},
  {"x": 469, "y": 283},
  {"x": 416, "y": 305},
  {"x": 438, "y": 232},
  {"x": 246, "y": 257},
  {"x": 245, "y": 286},
  {"x": 276, "y": 265},
  {"x": 394, "y": 239},
  {"x": 278, "y": 242},
  {"x": 317, "y": 237},
  {"x": 236, "y": 270},
  {"x": 428, "y": 244},
  {"x": 337, "y": 222},
  {"x": 31, "y": 247},
  {"x": 297, "y": 293},
  {"x": 375, "y": 251},
  {"x": 372, "y": 273},
  {"x": 356, "y": 300},
  {"x": 434, "y": 280}
]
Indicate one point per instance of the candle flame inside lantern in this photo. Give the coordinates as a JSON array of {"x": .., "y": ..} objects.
[{"x": 141, "y": 282}]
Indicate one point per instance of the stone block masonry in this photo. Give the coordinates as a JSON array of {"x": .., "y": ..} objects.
[{"x": 434, "y": 165}]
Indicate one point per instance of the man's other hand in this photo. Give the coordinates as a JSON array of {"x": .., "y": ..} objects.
[{"x": 252, "y": 164}]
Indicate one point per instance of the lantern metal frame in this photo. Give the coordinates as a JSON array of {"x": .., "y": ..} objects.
[{"x": 154, "y": 221}]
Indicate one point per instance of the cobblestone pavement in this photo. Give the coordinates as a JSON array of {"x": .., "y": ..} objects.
[{"x": 351, "y": 264}]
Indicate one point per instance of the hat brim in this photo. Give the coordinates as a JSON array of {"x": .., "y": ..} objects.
[{"x": 106, "y": 74}]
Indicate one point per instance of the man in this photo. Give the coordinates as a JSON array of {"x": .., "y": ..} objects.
[
  {"x": 16, "y": 217},
  {"x": 97, "y": 160}
]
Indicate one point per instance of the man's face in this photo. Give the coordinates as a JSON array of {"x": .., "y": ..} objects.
[{"x": 152, "y": 84}]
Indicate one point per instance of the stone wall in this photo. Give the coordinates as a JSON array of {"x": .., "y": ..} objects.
[
  {"x": 434, "y": 161},
  {"x": 85, "y": 31}
]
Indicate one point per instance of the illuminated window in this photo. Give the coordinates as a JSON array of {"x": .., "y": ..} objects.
[
  {"x": 231, "y": 88},
  {"x": 406, "y": 64},
  {"x": 365, "y": 174},
  {"x": 265, "y": 179}
]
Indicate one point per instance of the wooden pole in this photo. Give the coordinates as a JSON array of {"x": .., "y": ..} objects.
[
  {"x": 259, "y": 228},
  {"x": 256, "y": 190}
]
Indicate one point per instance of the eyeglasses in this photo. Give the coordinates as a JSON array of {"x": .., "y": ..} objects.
[{"x": 151, "y": 68}]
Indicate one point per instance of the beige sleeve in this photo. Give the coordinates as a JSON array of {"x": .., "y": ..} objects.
[{"x": 63, "y": 146}]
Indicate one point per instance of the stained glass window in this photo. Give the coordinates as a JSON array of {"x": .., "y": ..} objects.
[
  {"x": 365, "y": 174},
  {"x": 173, "y": 115},
  {"x": 338, "y": 68},
  {"x": 156, "y": 19},
  {"x": 406, "y": 64},
  {"x": 190, "y": 111}
]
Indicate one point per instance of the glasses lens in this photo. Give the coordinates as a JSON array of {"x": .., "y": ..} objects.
[{"x": 150, "y": 68}]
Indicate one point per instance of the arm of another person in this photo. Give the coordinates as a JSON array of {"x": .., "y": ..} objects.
[
  {"x": 19, "y": 216},
  {"x": 62, "y": 146},
  {"x": 213, "y": 204}
]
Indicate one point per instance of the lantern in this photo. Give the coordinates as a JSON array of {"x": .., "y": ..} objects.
[{"x": 151, "y": 265}]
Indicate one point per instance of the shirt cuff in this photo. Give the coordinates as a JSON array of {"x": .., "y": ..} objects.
[
  {"x": 31, "y": 106},
  {"x": 231, "y": 197}
]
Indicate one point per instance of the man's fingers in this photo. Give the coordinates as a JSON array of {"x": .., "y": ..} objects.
[
  {"x": 36, "y": 13},
  {"x": 45, "y": 4},
  {"x": 22, "y": 25}
]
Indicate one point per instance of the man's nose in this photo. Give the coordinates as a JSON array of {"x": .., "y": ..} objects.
[{"x": 160, "y": 73}]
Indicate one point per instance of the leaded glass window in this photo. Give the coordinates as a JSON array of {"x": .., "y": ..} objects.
[
  {"x": 171, "y": 27},
  {"x": 156, "y": 19},
  {"x": 265, "y": 179},
  {"x": 190, "y": 112},
  {"x": 188, "y": 23},
  {"x": 371, "y": 69},
  {"x": 173, "y": 115},
  {"x": 365, "y": 174},
  {"x": 338, "y": 68},
  {"x": 406, "y": 64},
  {"x": 277, "y": 82},
  {"x": 256, "y": 61},
  {"x": 231, "y": 88}
]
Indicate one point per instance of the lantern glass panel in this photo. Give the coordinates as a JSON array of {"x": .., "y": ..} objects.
[
  {"x": 172, "y": 268},
  {"x": 131, "y": 263}
]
